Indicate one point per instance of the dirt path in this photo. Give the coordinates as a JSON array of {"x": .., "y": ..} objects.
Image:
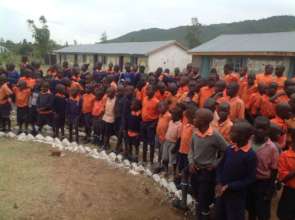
[{"x": 34, "y": 185}]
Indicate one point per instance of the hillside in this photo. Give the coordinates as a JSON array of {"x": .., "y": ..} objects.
[{"x": 208, "y": 32}]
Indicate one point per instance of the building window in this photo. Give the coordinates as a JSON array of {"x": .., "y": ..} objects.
[
  {"x": 84, "y": 58},
  {"x": 64, "y": 57},
  {"x": 134, "y": 60},
  {"x": 237, "y": 62}
]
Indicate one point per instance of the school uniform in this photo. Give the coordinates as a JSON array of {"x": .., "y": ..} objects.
[
  {"x": 44, "y": 109},
  {"x": 260, "y": 192},
  {"x": 204, "y": 151},
  {"x": 98, "y": 76},
  {"x": 267, "y": 108},
  {"x": 205, "y": 93},
  {"x": 280, "y": 82},
  {"x": 172, "y": 135},
  {"x": 133, "y": 131},
  {"x": 224, "y": 128},
  {"x": 281, "y": 123},
  {"x": 13, "y": 77},
  {"x": 33, "y": 114},
  {"x": 237, "y": 107},
  {"x": 286, "y": 164},
  {"x": 237, "y": 170},
  {"x": 161, "y": 130},
  {"x": 185, "y": 143},
  {"x": 118, "y": 126},
  {"x": 5, "y": 106},
  {"x": 148, "y": 125},
  {"x": 59, "y": 110},
  {"x": 97, "y": 112},
  {"x": 87, "y": 106},
  {"x": 22, "y": 97},
  {"x": 73, "y": 113},
  {"x": 265, "y": 79}
]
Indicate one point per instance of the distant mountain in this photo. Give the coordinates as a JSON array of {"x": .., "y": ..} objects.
[{"x": 208, "y": 32}]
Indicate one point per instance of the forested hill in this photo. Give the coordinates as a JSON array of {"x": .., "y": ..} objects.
[{"x": 208, "y": 32}]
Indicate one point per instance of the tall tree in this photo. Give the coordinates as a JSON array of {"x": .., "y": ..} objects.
[
  {"x": 193, "y": 33},
  {"x": 41, "y": 35},
  {"x": 103, "y": 37}
]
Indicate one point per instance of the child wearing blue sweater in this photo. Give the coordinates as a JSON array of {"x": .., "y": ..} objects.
[{"x": 235, "y": 173}]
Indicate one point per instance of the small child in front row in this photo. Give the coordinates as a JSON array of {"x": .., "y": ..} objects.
[
  {"x": 87, "y": 105},
  {"x": 108, "y": 117},
  {"x": 206, "y": 151},
  {"x": 44, "y": 106},
  {"x": 97, "y": 112},
  {"x": 22, "y": 96},
  {"x": 234, "y": 174},
  {"x": 133, "y": 123},
  {"x": 172, "y": 139},
  {"x": 182, "y": 159},
  {"x": 59, "y": 110},
  {"x": 5, "y": 106},
  {"x": 73, "y": 113}
]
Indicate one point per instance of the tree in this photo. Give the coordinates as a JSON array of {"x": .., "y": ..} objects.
[
  {"x": 25, "y": 48},
  {"x": 103, "y": 37},
  {"x": 41, "y": 35},
  {"x": 75, "y": 42},
  {"x": 193, "y": 33}
]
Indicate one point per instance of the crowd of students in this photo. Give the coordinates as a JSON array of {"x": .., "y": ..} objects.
[{"x": 230, "y": 138}]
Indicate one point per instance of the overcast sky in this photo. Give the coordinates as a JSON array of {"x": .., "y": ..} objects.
[{"x": 85, "y": 20}]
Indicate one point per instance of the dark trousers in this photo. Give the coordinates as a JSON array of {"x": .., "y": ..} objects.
[
  {"x": 132, "y": 145},
  {"x": 259, "y": 200},
  {"x": 59, "y": 125},
  {"x": 97, "y": 124},
  {"x": 22, "y": 114},
  {"x": 5, "y": 110},
  {"x": 87, "y": 119},
  {"x": 119, "y": 132},
  {"x": 148, "y": 131},
  {"x": 108, "y": 130},
  {"x": 74, "y": 129},
  {"x": 33, "y": 117},
  {"x": 231, "y": 206},
  {"x": 203, "y": 185},
  {"x": 286, "y": 208},
  {"x": 45, "y": 119}
]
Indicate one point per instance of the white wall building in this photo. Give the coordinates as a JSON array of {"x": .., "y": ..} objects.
[{"x": 165, "y": 54}]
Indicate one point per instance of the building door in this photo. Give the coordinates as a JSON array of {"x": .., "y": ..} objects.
[
  {"x": 95, "y": 59},
  {"x": 121, "y": 62},
  {"x": 75, "y": 59}
]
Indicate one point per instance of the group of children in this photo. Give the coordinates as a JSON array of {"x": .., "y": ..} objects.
[{"x": 231, "y": 138}]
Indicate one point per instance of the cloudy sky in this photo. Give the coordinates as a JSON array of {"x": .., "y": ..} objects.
[{"x": 85, "y": 20}]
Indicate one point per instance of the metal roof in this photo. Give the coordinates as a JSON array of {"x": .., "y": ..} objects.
[
  {"x": 130, "y": 48},
  {"x": 263, "y": 42}
]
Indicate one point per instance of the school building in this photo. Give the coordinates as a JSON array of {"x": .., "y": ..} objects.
[
  {"x": 165, "y": 54},
  {"x": 251, "y": 50}
]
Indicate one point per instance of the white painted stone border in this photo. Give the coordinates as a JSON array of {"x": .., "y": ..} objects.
[{"x": 112, "y": 159}]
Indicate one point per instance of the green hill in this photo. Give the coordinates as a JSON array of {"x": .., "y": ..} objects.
[{"x": 208, "y": 32}]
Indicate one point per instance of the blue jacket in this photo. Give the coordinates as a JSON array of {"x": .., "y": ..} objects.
[
  {"x": 73, "y": 109},
  {"x": 237, "y": 169},
  {"x": 13, "y": 77}
]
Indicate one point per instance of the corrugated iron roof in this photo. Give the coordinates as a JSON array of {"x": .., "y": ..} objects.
[
  {"x": 131, "y": 48},
  {"x": 264, "y": 42}
]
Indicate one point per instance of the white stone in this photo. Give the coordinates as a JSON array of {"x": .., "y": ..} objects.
[
  {"x": 171, "y": 187},
  {"x": 30, "y": 137},
  {"x": 164, "y": 183},
  {"x": 88, "y": 149},
  {"x": 119, "y": 158},
  {"x": 178, "y": 194},
  {"x": 148, "y": 172},
  {"x": 11, "y": 134},
  {"x": 133, "y": 172},
  {"x": 2, "y": 134},
  {"x": 189, "y": 199},
  {"x": 66, "y": 142},
  {"x": 39, "y": 137},
  {"x": 156, "y": 178},
  {"x": 112, "y": 156},
  {"x": 126, "y": 163},
  {"x": 49, "y": 139}
]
